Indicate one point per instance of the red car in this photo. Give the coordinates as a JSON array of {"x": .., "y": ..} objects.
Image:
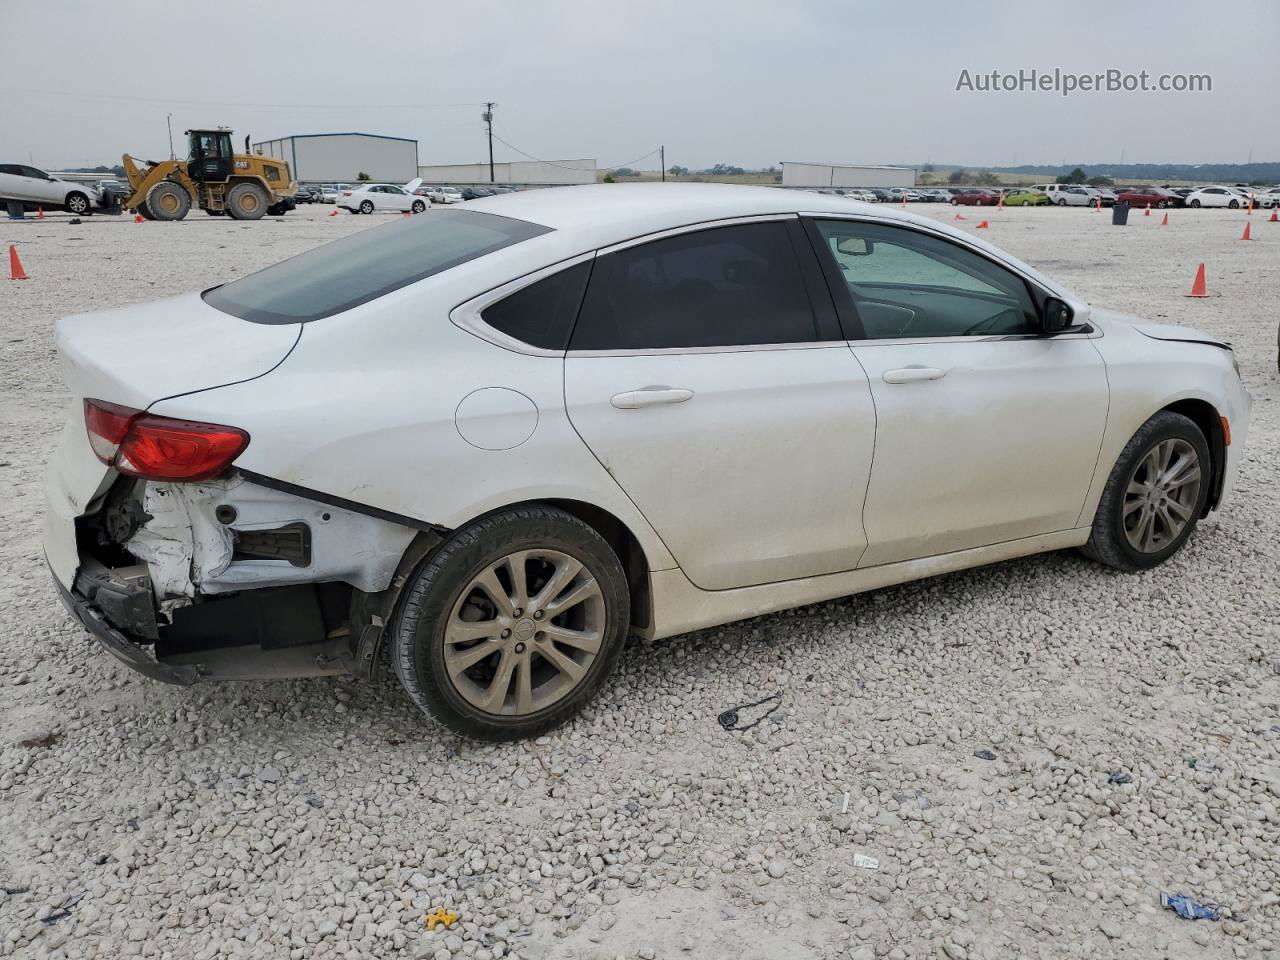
[
  {"x": 1140, "y": 197},
  {"x": 976, "y": 198}
]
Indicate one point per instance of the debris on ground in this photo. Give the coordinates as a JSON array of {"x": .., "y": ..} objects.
[
  {"x": 729, "y": 718},
  {"x": 1120, "y": 777},
  {"x": 865, "y": 862},
  {"x": 43, "y": 742},
  {"x": 441, "y": 917},
  {"x": 1188, "y": 908},
  {"x": 984, "y": 754}
]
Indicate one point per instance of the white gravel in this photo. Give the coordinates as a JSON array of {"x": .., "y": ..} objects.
[{"x": 325, "y": 818}]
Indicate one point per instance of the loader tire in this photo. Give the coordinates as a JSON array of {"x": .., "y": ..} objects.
[
  {"x": 168, "y": 201},
  {"x": 144, "y": 211},
  {"x": 247, "y": 201}
]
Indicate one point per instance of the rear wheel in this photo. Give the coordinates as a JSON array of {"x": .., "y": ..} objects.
[
  {"x": 1195, "y": 203},
  {"x": 512, "y": 624},
  {"x": 1154, "y": 496},
  {"x": 366, "y": 206},
  {"x": 247, "y": 201},
  {"x": 168, "y": 201},
  {"x": 1062, "y": 201}
]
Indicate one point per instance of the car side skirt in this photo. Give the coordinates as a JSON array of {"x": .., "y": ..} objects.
[{"x": 680, "y": 607}]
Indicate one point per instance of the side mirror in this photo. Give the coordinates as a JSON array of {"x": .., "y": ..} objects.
[
  {"x": 1057, "y": 316},
  {"x": 855, "y": 246}
]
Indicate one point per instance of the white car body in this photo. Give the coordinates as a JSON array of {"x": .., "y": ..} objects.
[
  {"x": 1216, "y": 196},
  {"x": 331, "y": 192},
  {"x": 866, "y": 196},
  {"x": 35, "y": 188},
  {"x": 1068, "y": 194},
  {"x": 748, "y": 477},
  {"x": 444, "y": 194},
  {"x": 381, "y": 198}
]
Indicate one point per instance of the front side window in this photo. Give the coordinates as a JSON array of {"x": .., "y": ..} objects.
[
  {"x": 737, "y": 285},
  {"x": 907, "y": 284},
  {"x": 366, "y": 265}
]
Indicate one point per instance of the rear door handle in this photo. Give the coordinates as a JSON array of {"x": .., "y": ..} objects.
[
  {"x": 912, "y": 374},
  {"x": 649, "y": 397}
]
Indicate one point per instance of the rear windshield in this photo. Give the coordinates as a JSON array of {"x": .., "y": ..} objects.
[{"x": 367, "y": 265}]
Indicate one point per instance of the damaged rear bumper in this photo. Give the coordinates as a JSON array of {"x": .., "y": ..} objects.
[{"x": 124, "y": 649}]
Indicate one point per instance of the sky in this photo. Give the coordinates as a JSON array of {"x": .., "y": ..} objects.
[{"x": 715, "y": 81}]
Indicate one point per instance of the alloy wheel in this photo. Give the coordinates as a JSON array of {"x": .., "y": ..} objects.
[
  {"x": 1161, "y": 496},
  {"x": 524, "y": 632}
]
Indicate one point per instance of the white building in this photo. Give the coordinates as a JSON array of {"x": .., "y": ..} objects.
[
  {"x": 533, "y": 172},
  {"x": 342, "y": 157},
  {"x": 845, "y": 175}
]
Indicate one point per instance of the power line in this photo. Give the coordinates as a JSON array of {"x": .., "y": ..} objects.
[
  {"x": 246, "y": 104},
  {"x": 564, "y": 166}
]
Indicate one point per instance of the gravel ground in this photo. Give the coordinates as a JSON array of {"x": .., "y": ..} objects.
[{"x": 325, "y": 818}]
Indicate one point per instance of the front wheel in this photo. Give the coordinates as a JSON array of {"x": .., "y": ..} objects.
[
  {"x": 76, "y": 203},
  {"x": 1195, "y": 204},
  {"x": 247, "y": 201},
  {"x": 1234, "y": 204},
  {"x": 512, "y": 625},
  {"x": 1062, "y": 201},
  {"x": 418, "y": 206},
  {"x": 1154, "y": 496}
]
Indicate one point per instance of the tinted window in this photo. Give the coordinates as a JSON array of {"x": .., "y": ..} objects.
[
  {"x": 728, "y": 286},
  {"x": 367, "y": 265},
  {"x": 909, "y": 284},
  {"x": 542, "y": 314}
]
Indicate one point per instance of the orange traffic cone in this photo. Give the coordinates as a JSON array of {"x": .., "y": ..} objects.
[
  {"x": 1274, "y": 218},
  {"x": 1148, "y": 213},
  {"x": 960, "y": 216},
  {"x": 333, "y": 213},
  {"x": 1250, "y": 210},
  {"x": 904, "y": 199},
  {"x": 15, "y": 265},
  {"x": 1245, "y": 235},
  {"x": 982, "y": 226},
  {"x": 1097, "y": 205},
  {"x": 137, "y": 218},
  {"x": 39, "y": 213},
  {"x": 1165, "y": 221},
  {"x": 1197, "y": 288},
  {"x": 1000, "y": 202}
]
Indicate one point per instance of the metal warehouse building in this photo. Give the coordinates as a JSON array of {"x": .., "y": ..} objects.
[
  {"x": 341, "y": 157},
  {"x": 845, "y": 175},
  {"x": 534, "y": 172}
]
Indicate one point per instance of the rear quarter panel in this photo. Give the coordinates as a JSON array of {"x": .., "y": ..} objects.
[{"x": 365, "y": 409}]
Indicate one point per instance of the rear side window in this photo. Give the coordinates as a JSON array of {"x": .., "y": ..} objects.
[
  {"x": 356, "y": 269},
  {"x": 542, "y": 313},
  {"x": 737, "y": 285}
]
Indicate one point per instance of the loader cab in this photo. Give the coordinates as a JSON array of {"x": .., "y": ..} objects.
[{"x": 211, "y": 156}]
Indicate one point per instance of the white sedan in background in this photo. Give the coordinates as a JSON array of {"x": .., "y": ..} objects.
[
  {"x": 381, "y": 198},
  {"x": 1216, "y": 197},
  {"x": 34, "y": 188},
  {"x": 493, "y": 441}
]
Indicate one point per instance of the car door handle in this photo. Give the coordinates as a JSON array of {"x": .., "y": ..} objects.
[
  {"x": 649, "y": 397},
  {"x": 913, "y": 374}
]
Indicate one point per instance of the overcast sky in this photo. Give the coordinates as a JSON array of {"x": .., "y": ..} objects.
[{"x": 859, "y": 81}]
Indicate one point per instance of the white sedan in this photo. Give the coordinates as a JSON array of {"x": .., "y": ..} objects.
[
  {"x": 491, "y": 442},
  {"x": 381, "y": 197},
  {"x": 33, "y": 188},
  {"x": 1216, "y": 197}
]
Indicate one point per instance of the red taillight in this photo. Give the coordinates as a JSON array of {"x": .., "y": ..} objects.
[
  {"x": 346, "y": 193},
  {"x": 160, "y": 448}
]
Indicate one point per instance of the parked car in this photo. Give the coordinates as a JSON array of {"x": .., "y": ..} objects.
[
  {"x": 1149, "y": 196},
  {"x": 35, "y": 189},
  {"x": 882, "y": 195},
  {"x": 975, "y": 198},
  {"x": 303, "y": 195},
  {"x": 866, "y": 196},
  {"x": 332, "y": 191},
  {"x": 380, "y": 197},
  {"x": 1026, "y": 198},
  {"x": 1108, "y": 196},
  {"x": 476, "y": 192},
  {"x": 1070, "y": 194},
  {"x": 495, "y": 475},
  {"x": 1269, "y": 199},
  {"x": 1215, "y": 196}
]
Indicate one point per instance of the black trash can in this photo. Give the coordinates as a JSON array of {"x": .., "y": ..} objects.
[{"x": 1120, "y": 214}]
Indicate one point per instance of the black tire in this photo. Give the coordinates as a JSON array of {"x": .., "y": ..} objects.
[
  {"x": 168, "y": 201},
  {"x": 1108, "y": 542},
  {"x": 247, "y": 201},
  {"x": 216, "y": 213},
  {"x": 1195, "y": 203},
  {"x": 366, "y": 206},
  {"x": 278, "y": 209},
  {"x": 955, "y": 202},
  {"x": 77, "y": 203},
  {"x": 1234, "y": 204},
  {"x": 417, "y": 634},
  {"x": 418, "y": 206},
  {"x": 144, "y": 211},
  {"x": 1062, "y": 201}
]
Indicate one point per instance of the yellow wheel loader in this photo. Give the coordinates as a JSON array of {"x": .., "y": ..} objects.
[{"x": 214, "y": 178}]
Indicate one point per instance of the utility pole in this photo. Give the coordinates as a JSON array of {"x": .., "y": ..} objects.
[
  {"x": 487, "y": 116},
  {"x": 662, "y": 159},
  {"x": 169, "y": 120}
]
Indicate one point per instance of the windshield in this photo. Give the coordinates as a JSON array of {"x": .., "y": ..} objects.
[{"x": 367, "y": 265}]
